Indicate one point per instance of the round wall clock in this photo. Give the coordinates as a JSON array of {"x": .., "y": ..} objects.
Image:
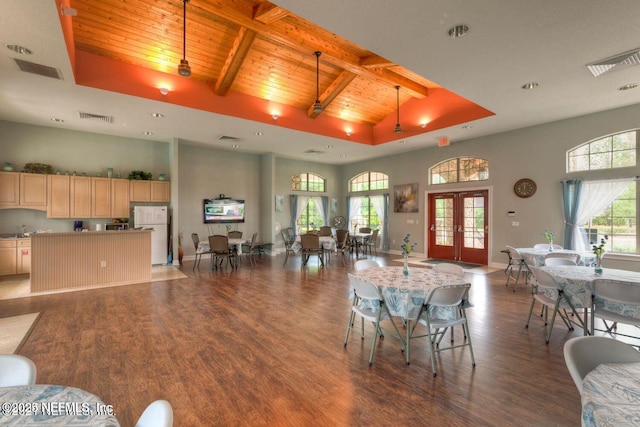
[
  {"x": 525, "y": 187},
  {"x": 339, "y": 222}
]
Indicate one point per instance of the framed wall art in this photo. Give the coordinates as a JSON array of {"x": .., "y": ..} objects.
[
  {"x": 405, "y": 198},
  {"x": 279, "y": 203}
]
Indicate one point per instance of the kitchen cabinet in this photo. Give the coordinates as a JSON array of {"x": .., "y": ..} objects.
[
  {"x": 58, "y": 196},
  {"x": 7, "y": 257},
  {"x": 23, "y": 256},
  {"x": 119, "y": 198},
  {"x": 100, "y": 197},
  {"x": 80, "y": 197},
  {"x": 23, "y": 190},
  {"x": 150, "y": 191}
]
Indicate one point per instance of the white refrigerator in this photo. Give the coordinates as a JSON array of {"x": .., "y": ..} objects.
[{"x": 155, "y": 217}]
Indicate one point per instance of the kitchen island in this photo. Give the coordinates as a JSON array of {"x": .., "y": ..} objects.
[{"x": 85, "y": 259}]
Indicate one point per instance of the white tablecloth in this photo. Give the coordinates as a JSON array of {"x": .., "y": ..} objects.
[
  {"x": 611, "y": 395},
  {"x": 328, "y": 243},
  {"x": 53, "y": 405},
  {"x": 203, "y": 245},
  {"x": 535, "y": 257}
]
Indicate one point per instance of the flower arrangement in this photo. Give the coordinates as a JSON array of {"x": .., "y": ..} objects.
[
  {"x": 549, "y": 235},
  {"x": 228, "y": 227},
  {"x": 598, "y": 250},
  {"x": 406, "y": 247}
]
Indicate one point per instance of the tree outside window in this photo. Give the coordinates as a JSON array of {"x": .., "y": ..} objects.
[
  {"x": 310, "y": 218},
  {"x": 366, "y": 216}
]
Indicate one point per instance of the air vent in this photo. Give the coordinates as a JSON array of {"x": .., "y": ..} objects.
[
  {"x": 108, "y": 119},
  {"x": 615, "y": 63},
  {"x": 314, "y": 152},
  {"x": 228, "y": 138},
  {"x": 41, "y": 70}
]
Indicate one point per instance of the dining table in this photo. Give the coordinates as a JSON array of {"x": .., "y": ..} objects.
[
  {"x": 578, "y": 282},
  {"x": 53, "y": 405},
  {"x": 611, "y": 395},
  {"x": 358, "y": 240},
  {"x": 404, "y": 295},
  {"x": 535, "y": 257}
]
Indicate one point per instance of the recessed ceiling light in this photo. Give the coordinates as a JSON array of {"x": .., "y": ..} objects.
[
  {"x": 459, "y": 30},
  {"x": 343, "y": 156},
  {"x": 19, "y": 49},
  {"x": 148, "y": 133},
  {"x": 629, "y": 86},
  {"x": 530, "y": 85},
  {"x": 466, "y": 127},
  {"x": 329, "y": 146},
  {"x": 403, "y": 142},
  {"x": 157, "y": 115},
  {"x": 235, "y": 146},
  {"x": 57, "y": 120},
  {"x": 258, "y": 133}
]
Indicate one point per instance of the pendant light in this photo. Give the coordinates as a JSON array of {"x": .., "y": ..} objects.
[
  {"x": 398, "y": 128},
  {"x": 184, "y": 69},
  {"x": 317, "y": 106}
]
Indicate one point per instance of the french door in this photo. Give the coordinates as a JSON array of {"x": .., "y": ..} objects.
[{"x": 458, "y": 226}]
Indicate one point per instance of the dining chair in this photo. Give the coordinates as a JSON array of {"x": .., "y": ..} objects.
[
  {"x": 251, "y": 248},
  {"x": 364, "y": 264},
  {"x": 158, "y": 414},
  {"x": 325, "y": 230},
  {"x": 553, "y": 256},
  {"x": 545, "y": 246},
  {"x": 364, "y": 230},
  {"x": 310, "y": 244},
  {"x": 550, "y": 294},
  {"x": 342, "y": 244},
  {"x": 519, "y": 262},
  {"x": 16, "y": 370},
  {"x": 288, "y": 244},
  {"x": 610, "y": 293},
  {"x": 584, "y": 354},
  {"x": 234, "y": 234},
  {"x": 199, "y": 251},
  {"x": 443, "y": 308},
  {"x": 369, "y": 305},
  {"x": 220, "y": 250},
  {"x": 371, "y": 242},
  {"x": 448, "y": 268}
]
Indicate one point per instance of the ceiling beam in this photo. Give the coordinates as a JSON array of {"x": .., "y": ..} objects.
[
  {"x": 332, "y": 92},
  {"x": 268, "y": 13},
  {"x": 234, "y": 61}
]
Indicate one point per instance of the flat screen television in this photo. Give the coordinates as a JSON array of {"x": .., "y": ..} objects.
[{"x": 222, "y": 211}]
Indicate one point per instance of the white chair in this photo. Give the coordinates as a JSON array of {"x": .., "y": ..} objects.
[
  {"x": 157, "y": 414},
  {"x": 16, "y": 370},
  {"x": 516, "y": 260},
  {"x": 444, "y": 308},
  {"x": 375, "y": 311},
  {"x": 363, "y": 264},
  {"x": 558, "y": 261},
  {"x": 548, "y": 292},
  {"x": 545, "y": 246},
  {"x": 584, "y": 354},
  {"x": 447, "y": 267},
  {"x": 609, "y": 293},
  {"x": 575, "y": 257}
]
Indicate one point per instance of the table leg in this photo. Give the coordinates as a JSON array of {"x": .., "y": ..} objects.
[{"x": 408, "y": 340}]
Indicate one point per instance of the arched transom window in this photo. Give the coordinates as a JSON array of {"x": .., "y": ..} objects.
[
  {"x": 368, "y": 181},
  {"x": 609, "y": 152},
  {"x": 461, "y": 169},
  {"x": 308, "y": 182}
]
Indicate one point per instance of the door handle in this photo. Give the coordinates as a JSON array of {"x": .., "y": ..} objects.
[{"x": 432, "y": 228}]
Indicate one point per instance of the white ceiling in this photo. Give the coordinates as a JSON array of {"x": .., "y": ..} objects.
[{"x": 510, "y": 43}]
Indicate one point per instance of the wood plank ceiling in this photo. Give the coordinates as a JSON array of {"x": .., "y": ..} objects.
[{"x": 250, "y": 47}]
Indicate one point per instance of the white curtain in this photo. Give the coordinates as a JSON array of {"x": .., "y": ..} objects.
[
  {"x": 595, "y": 197},
  {"x": 378, "y": 205},
  {"x": 303, "y": 201},
  {"x": 318, "y": 202},
  {"x": 354, "y": 208}
]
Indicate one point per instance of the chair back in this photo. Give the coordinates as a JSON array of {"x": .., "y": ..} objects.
[
  {"x": 545, "y": 246},
  {"x": 364, "y": 264},
  {"x": 575, "y": 257},
  {"x": 254, "y": 239},
  {"x": 235, "y": 234},
  {"x": 616, "y": 292},
  {"x": 373, "y": 239},
  {"x": 219, "y": 243},
  {"x": 157, "y": 414},
  {"x": 196, "y": 240},
  {"x": 365, "y": 230},
  {"x": 325, "y": 230},
  {"x": 342, "y": 237},
  {"x": 544, "y": 280},
  {"x": 584, "y": 354},
  {"x": 310, "y": 241},
  {"x": 446, "y": 267},
  {"x": 291, "y": 234},
  {"x": 16, "y": 370},
  {"x": 559, "y": 261},
  {"x": 363, "y": 289},
  {"x": 447, "y": 295},
  {"x": 514, "y": 254}
]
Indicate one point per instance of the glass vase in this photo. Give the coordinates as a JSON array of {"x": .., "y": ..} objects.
[
  {"x": 598, "y": 268},
  {"x": 550, "y": 246},
  {"x": 405, "y": 268}
]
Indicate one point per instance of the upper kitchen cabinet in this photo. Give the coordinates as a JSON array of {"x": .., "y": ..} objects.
[
  {"x": 80, "y": 197},
  {"x": 23, "y": 190},
  {"x": 120, "y": 198},
  {"x": 58, "y": 191},
  {"x": 149, "y": 191},
  {"x": 100, "y": 197}
]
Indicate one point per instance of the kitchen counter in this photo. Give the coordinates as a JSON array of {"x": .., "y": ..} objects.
[{"x": 90, "y": 258}]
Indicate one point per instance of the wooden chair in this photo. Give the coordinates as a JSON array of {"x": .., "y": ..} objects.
[
  {"x": 288, "y": 243},
  {"x": 220, "y": 250},
  {"x": 310, "y": 244},
  {"x": 234, "y": 234},
  {"x": 251, "y": 248},
  {"x": 342, "y": 244},
  {"x": 199, "y": 252},
  {"x": 371, "y": 243},
  {"x": 325, "y": 230}
]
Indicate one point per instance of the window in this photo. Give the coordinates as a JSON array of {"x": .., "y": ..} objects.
[
  {"x": 310, "y": 218},
  {"x": 619, "y": 221},
  {"x": 461, "y": 169},
  {"x": 308, "y": 182},
  {"x": 366, "y": 216},
  {"x": 613, "y": 151},
  {"x": 369, "y": 181}
]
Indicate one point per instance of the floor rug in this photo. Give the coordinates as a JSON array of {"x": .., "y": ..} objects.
[
  {"x": 14, "y": 330},
  {"x": 465, "y": 265}
]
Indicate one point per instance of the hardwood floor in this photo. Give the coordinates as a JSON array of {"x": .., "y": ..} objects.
[{"x": 264, "y": 346}]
